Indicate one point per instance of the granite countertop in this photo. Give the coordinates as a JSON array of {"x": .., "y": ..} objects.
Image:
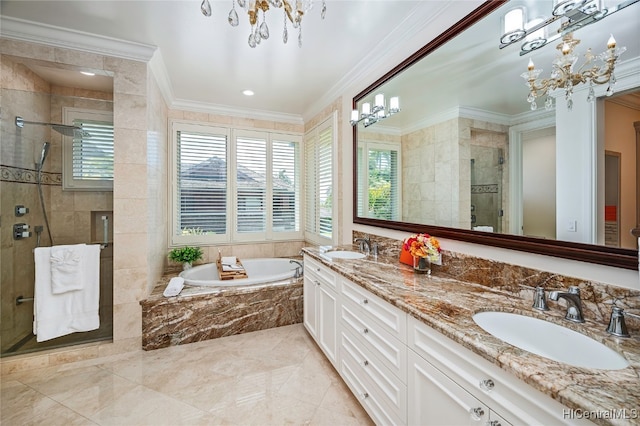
[{"x": 447, "y": 305}]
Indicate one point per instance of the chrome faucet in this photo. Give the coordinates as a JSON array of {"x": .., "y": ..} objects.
[
  {"x": 299, "y": 269},
  {"x": 574, "y": 304},
  {"x": 364, "y": 244},
  {"x": 539, "y": 297},
  {"x": 617, "y": 326}
]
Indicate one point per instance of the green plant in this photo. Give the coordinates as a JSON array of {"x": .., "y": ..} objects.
[{"x": 185, "y": 254}]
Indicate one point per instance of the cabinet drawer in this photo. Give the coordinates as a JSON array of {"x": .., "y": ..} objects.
[
  {"x": 390, "y": 351},
  {"x": 319, "y": 272},
  {"x": 369, "y": 400},
  {"x": 388, "y": 317},
  {"x": 385, "y": 385}
]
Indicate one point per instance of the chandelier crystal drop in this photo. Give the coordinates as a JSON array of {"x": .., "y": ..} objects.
[
  {"x": 293, "y": 12},
  {"x": 595, "y": 70}
]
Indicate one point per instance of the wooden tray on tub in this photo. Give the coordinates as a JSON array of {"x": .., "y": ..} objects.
[{"x": 231, "y": 275}]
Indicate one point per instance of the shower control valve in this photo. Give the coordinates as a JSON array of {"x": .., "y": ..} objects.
[
  {"x": 21, "y": 211},
  {"x": 20, "y": 231}
]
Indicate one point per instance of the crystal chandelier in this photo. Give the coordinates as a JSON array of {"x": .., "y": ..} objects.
[
  {"x": 595, "y": 70},
  {"x": 379, "y": 111},
  {"x": 292, "y": 12}
]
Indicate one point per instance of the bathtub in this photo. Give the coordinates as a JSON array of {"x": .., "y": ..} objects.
[{"x": 258, "y": 271}]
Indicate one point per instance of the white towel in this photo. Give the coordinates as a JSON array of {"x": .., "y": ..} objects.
[
  {"x": 227, "y": 268},
  {"x": 229, "y": 260},
  {"x": 175, "y": 286},
  {"x": 483, "y": 228},
  {"x": 56, "y": 315},
  {"x": 66, "y": 271}
]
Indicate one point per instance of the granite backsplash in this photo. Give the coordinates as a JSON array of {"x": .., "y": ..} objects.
[{"x": 597, "y": 298}]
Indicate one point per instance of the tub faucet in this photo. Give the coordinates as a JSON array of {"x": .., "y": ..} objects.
[
  {"x": 574, "y": 304},
  {"x": 299, "y": 269}
]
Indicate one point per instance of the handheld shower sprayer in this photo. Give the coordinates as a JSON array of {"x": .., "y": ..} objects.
[{"x": 43, "y": 155}]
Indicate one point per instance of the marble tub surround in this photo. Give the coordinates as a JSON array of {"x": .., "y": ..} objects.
[
  {"x": 447, "y": 303},
  {"x": 203, "y": 313}
]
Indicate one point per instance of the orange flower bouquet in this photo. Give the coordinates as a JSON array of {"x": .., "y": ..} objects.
[{"x": 423, "y": 245}]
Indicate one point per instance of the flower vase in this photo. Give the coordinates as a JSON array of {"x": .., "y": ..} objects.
[
  {"x": 187, "y": 265},
  {"x": 421, "y": 265}
]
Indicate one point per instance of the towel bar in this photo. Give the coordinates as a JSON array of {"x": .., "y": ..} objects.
[{"x": 20, "y": 300}]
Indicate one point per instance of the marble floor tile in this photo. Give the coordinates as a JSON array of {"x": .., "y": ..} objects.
[{"x": 268, "y": 377}]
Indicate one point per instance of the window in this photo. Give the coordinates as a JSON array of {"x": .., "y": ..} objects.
[
  {"x": 319, "y": 170},
  {"x": 379, "y": 180},
  {"x": 88, "y": 155},
  {"x": 234, "y": 185}
]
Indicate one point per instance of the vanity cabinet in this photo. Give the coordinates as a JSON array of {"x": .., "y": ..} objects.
[
  {"x": 444, "y": 373},
  {"x": 373, "y": 353},
  {"x": 439, "y": 401},
  {"x": 321, "y": 307},
  {"x": 405, "y": 372}
]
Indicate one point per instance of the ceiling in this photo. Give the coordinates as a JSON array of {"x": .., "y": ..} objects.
[{"x": 208, "y": 62}]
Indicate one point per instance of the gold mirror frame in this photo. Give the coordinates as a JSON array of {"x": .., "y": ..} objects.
[{"x": 609, "y": 256}]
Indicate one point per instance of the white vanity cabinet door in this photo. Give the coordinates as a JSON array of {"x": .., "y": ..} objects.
[
  {"x": 309, "y": 299},
  {"x": 436, "y": 400},
  {"x": 321, "y": 307}
]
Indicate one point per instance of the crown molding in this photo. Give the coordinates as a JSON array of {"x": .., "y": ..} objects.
[
  {"x": 206, "y": 107},
  {"x": 420, "y": 18},
  {"x": 34, "y": 32}
]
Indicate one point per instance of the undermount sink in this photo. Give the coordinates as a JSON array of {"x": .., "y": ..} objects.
[
  {"x": 550, "y": 340},
  {"x": 343, "y": 254}
]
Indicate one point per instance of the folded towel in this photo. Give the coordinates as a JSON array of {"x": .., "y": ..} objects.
[
  {"x": 483, "y": 228},
  {"x": 56, "y": 315},
  {"x": 66, "y": 268},
  {"x": 227, "y": 268},
  {"x": 229, "y": 260},
  {"x": 175, "y": 286}
]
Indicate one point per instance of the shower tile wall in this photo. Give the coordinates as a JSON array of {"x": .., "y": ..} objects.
[
  {"x": 70, "y": 213},
  {"x": 436, "y": 176},
  {"x": 25, "y": 94}
]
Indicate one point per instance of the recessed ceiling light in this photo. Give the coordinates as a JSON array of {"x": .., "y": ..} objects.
[
  {"x": 87, "y": 73},
  {"x": 247, "y": 92}
]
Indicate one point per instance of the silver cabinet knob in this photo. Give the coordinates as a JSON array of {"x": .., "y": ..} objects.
[
  {"x": 494, "y": 423},
  {"x": 487, "y": 385},
  {"x": 365, "y": 331},
  {"x": 317, "y": 282},
  {"x": 365, "y": 363},
  {"x": 365, "y": 395},
  {"x": 477, "y": 413},
  {"x": 365, "y": 301}
]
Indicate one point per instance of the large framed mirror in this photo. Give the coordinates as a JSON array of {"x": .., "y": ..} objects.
[{"x": 470, "y": 157}]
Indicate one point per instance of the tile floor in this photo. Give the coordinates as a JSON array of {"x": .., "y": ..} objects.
[{"x": 269, "y": 377}]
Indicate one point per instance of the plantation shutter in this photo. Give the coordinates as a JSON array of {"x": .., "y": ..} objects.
[
  {"x": 319, "y": 183},
  {"x": 325, "y": 181},
  {"x": 92, "y": 151},
  {"x": 251, "y": 184},
  {"x": 201, "y": 183},
  {"x": 286, "y": 186}
]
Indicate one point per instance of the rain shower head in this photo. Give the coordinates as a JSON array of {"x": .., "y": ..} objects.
[{"x": 63, "y": 129}]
